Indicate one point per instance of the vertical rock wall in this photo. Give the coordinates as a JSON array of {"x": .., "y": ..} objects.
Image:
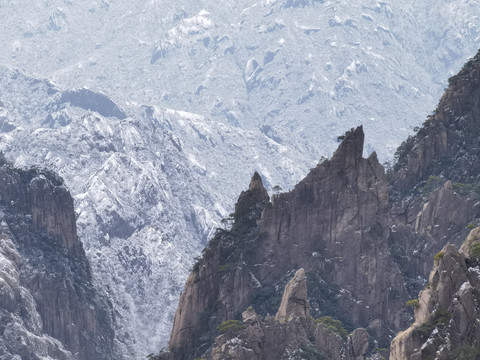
[
  {"x": 39, "y": 220},
  {"x": 334, "y": 223}
]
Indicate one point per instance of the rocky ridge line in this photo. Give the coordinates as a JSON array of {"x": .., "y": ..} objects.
[
  {"x": 334, "y": 224},
  {"x": 435, "y": 185}
]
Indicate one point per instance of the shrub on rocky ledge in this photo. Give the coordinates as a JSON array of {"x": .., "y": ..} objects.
[
  {"x": 230, "y": 326},
  {"x": 333, "y": 325},
  {"x": 413, "y": 303},
  {"x": 439, "y": 256}
]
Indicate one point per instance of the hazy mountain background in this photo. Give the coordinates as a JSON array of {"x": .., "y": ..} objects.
[{"x": 157, "y": 113}]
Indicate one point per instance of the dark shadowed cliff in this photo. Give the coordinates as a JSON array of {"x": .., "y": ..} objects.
[
  {"x": 436, "y": 189},
  {"x": 49, "y": 306},
  {"x": 435, "y": 184}
]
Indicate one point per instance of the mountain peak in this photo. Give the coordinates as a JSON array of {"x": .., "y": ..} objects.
[
  {"x": 447, "y": 143},
  {"x": 352, "y": 144},
  {"x": 256, "y": 182},
  {"x": 250, "y": 203}
]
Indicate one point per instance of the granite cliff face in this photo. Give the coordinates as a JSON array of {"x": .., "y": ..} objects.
[
  {"x": 435, "y": 184},
  {"x": 436, "y": 189},
  {"x": 448, "y": 142},
  {"x": 292, "y": 333},
  {"x": 334, "y": 224},
  {"x": 50, "y": 307},
  {"x": 446, "y": 313},
  {"x": 365, "y": 239},
  {"x": 221, "y": 281}
]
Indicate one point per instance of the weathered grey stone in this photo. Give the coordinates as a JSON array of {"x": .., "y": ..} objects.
[
  {"x": 294, "y": 303},
  {"x": 340, "y": 210},
  {"x": 206, "y": 286},
  {"x": 288, "y": 335},
  {"x": 359, "y": 341},
  {"x": 249, "y": 315},
  {"x": 53, "y": 289},
  {"x": 448, "y": 138},
  {"x": 338, "y": 225},
  {"x": 473, "y": 237},
  {"x": 430, "y": 185},
  {"x": 449, "y": 303},
  {"x": 330, "y": 343}
]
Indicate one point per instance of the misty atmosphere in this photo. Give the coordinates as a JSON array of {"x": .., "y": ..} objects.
[{"x": 277, "y": 179}]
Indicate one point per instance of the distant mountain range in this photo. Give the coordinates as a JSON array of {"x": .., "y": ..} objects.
[{"x": 157, "y": 114}]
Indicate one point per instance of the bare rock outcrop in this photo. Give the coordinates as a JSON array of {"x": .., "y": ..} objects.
[
  {"x": 42, "y": 194},
  {"x": 271, "y": 338},
  {"x": 265, "y": 339},
  {"x": 359, "y": 343},
  {"x": 434, "y": 186},
  {"x": 446, "y": 314},
  {"x": 447, "y": 143},
  {"x": 365, "y": 243},
  {"x": 294, "y": 303},
  {"x": 221, "y": 282},
  {"x": 289, "y": 335},
  {"x": 52, "y": 211},
  {"x": 334, "y": 224},
  {"x": 423, "y": 225},
  {"x": 59, "y": 313}
]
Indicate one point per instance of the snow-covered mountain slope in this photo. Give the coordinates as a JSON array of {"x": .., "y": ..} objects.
[
  {"x": 311, "y": 66},
  {"x": 150, "y": 184},
  {"x": 264, "y": 86}
]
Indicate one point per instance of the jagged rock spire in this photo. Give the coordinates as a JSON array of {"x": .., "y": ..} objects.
[
  {"x": 294, "y": 303},
  {"x": 351, "y": 147},
  {"x": 256, "y": 182},
  {"x": 250, "y": 203}
]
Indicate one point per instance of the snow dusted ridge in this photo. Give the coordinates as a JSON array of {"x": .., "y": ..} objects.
[
  {"x": 150, "y": 185},
  {"x": 315, "y": 67},
  {"x": 264, "y": 86}
]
